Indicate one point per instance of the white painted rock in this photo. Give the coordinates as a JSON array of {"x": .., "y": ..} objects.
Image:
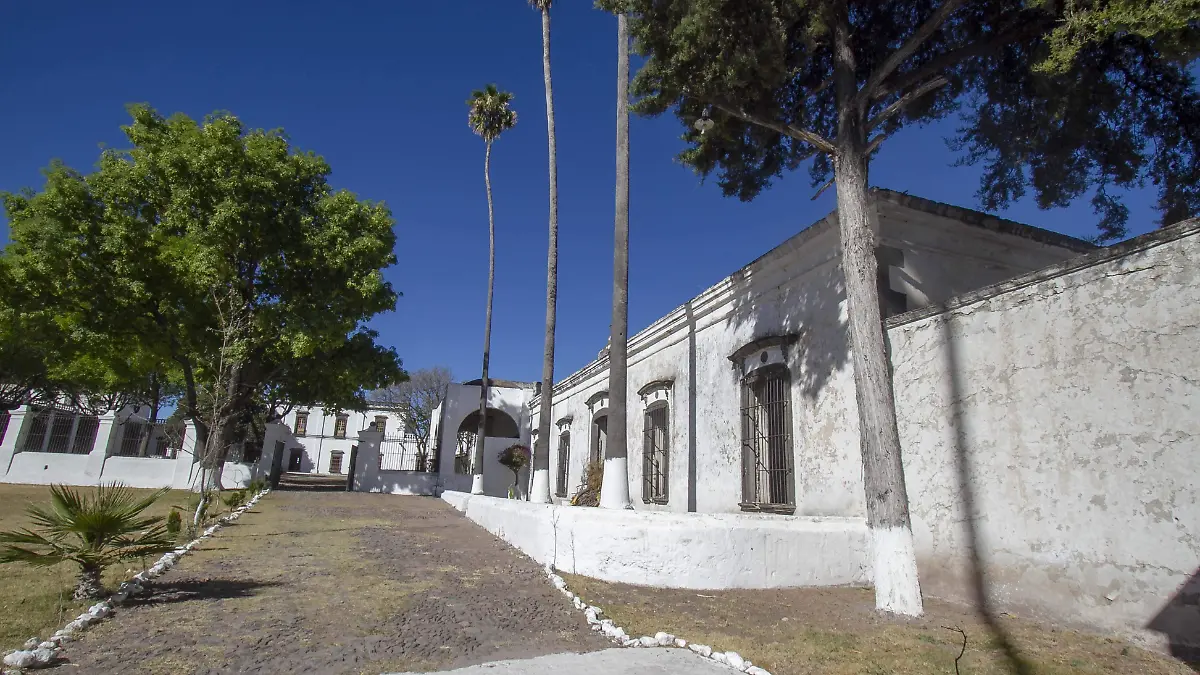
[
  {"x": 734, "y": 659},
  {"x": 664, "y": 639},
  {"x": 595, "y": 626},
  {"x": 31, "y": 643},
  {"x": 591, "y": 615},
  {"x": 22, "y": 658},
  {"x": 48, "y": 645},
  {"x": 578, "y": 603},
  {"x": 558, "y": 582},
  {"x": 648, "y": 641},
  {"x": 719, "y": 657},
  {"x": 680, "y": 642},
  {"x": 702, "y": 650},
  {"x": 755, "y": 670},
  {"x": 76, "y": 625},
  {"x": 631, "y": 642},
  {"x": 43, "y": 657}
]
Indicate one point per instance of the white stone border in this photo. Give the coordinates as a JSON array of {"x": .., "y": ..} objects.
[
  {"x": 617, "y": 635},
  {"x": 42, "y": 654}
]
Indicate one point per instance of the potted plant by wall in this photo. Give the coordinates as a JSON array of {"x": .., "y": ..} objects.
[{"x": 515, "y": 457}]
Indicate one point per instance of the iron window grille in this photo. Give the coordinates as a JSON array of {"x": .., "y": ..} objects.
[
  {"x": 301, "y": 424},
  {"x": 339, "y": 427},
  {"x": 4, "y": 417},
  {"x": 564, "y": 456},
  {"x": 768, "y": 475},
  {"x": 655, "y": 454},
  {"x": 61, "y": 432},
  {"x": 599, "y": 438},
  {"x": 396, "y": 454}
]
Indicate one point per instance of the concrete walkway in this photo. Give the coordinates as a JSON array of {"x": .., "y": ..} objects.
[{"x": 607, "y": 662}]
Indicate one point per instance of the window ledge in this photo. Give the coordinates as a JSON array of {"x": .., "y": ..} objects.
[
  {"x": 660, "y": 502},
  {"x": 775, "y": 509}
]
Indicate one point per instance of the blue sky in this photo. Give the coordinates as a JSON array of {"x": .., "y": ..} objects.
[{"x": 379, "y": 89}]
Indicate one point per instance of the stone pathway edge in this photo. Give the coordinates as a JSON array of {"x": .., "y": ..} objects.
[
  {"x": 618, "y": 636},
  {"x": 41, "y": 654}
]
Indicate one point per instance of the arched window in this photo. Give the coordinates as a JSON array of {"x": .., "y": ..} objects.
[
  {"x": 599, "y": 437},
  {"x": 656, "y": 453},
  {"x": 564, "y": 458},
  {"x": 499, "y": 424}
]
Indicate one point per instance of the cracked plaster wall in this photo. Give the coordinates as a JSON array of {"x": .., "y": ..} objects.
[{"x": 1078, "y": 402}]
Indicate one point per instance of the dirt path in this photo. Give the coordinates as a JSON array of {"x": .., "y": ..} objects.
[{"x": 335, "y": 582}]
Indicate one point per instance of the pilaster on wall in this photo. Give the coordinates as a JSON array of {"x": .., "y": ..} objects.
[
  {"x": 186, "y": 458},
  {"x": 104, "y": 436},
  {"x": 366, "y": 461},
  {"x": 16, "y": 426}
]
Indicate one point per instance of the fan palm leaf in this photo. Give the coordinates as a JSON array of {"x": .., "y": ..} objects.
[{"x": 91, "y": 531}]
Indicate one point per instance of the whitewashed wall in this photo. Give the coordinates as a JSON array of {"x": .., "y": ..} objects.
[
  {"x": 796, "y": 288},
  {"x": 1071, "y": 398},
  {"x": 461, "y": 401}
]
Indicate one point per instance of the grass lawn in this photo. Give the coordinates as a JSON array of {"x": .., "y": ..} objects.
[
  {"x": 36, "y": 601},
  {"x": 837, "y": 632}
]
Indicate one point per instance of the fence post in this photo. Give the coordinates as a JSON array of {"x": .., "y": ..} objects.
[
  {"x": 8, "y": 446},
  {"x": 366, "y": 463},
  {"x": 185, "y": 459},
  {"x": 99, "y": 454}
]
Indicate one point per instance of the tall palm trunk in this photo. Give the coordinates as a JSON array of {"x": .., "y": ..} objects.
[
  {"x": 897, "y": 588},
  {"x": 614, "y": 491},
  {"x": 541, "y": 450},
  {"x": 477, "y": 478}
]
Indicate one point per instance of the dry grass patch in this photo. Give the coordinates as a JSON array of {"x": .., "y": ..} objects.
[
  {"x": 37, "y": 601},
  {"x": 837, "y": 632}
]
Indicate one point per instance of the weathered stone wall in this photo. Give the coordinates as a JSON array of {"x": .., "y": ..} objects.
[{"x": 1070, "y": 401}]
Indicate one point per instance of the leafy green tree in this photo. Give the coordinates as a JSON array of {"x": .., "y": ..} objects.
[
  {"x": 490, "y": 114},
  {"x": 217, "y": 249},
  {"x": 92, "y": 531},
  {"x": 1092, "y": 21},
  {"x": 766, "y": 86},
  {"x": 615, "y": 491},
  {"x": 541, "y": 451}
]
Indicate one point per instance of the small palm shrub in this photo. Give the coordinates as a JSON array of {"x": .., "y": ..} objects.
[
  {"x": 92, "y": 531},
  {"x": 588, "y": 494}
]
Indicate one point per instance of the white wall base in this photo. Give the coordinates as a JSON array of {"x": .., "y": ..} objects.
[
  {"x": 614, "y": 491},
  {"x": 539, "y": 493},
  {"x": 897, "y": 587},
  {"x": 477, "y": 484},
  {"x": 679, "y": 550}
]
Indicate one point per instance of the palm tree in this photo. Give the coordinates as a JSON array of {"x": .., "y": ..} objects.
[
  {"x": 91, "y": 531},
  {"x": 614, "y": 491},
  {"x": 541, "y": 451},
  {"x": 489, "y": 116}
]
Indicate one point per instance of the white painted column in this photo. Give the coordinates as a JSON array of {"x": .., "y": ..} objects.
[
  {"x": 8, "y": 447},
  {"x": 104, "y": 435},
  {"x": 185, "y": 459},
  {"x": 366, "y": 461}
]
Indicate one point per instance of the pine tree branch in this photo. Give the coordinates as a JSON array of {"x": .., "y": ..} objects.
[
  {"x": 910, "y": 46},
  {"x": 814, "y": 139},
  {"x": 900, "y": 103}
]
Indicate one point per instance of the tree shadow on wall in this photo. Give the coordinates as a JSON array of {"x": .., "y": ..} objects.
[
  {"x": 976, "y": 566},
  {"x": 1179, "y": 622}
]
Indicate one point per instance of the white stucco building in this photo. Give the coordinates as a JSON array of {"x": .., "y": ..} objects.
[{"x": 321, "y": 440}]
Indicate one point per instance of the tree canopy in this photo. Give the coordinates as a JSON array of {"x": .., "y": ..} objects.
[
  {"x": 143, "y": 262},
  {"x": 1118, "y": 108}
]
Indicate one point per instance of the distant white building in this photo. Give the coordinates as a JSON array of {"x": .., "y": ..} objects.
[{"x": 321, "y": 439}]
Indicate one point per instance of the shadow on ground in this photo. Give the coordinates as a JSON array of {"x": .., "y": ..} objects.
[{"x": 199, "y": 589}]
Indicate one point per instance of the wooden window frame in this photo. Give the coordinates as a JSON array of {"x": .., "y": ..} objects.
[
  {"x": 650, "y": 452},
  {"x": 300, "y": 428},
  {"x": 758, "y": 402},
  {"x": 340, "y": 423}
]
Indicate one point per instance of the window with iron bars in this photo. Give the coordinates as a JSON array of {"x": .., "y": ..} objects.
[
  {"x": 564, "y": 457},
  {"x": 301, "y": 424},
  {"x": 339, "y": 427},
  {"x": 655, "y": 454},
  {"x": 144, "y": 439},
  {"x": 599, "y": 438},
  {"x": 4, "y": 417},
  {"x": 60, "y": 431},
  {"x": 768, "y": 476}
]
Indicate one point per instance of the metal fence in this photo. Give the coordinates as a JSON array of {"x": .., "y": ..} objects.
[
  {"x": 767, "y": 471},
  {"x": 60, "y": 431},
  {"x": 146, "y": 439},
  {"x": 4, "y": 417},
  {"x": 401, "y": 453}
]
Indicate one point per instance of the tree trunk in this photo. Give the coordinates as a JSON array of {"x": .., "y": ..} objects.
[
  {"x": 88, "y": 586},
  {"x": 541, "y": 450},
  {"x": 484, "y": 385},
  {"x": 897, "y": 588},
  {"x": 614, "y": 491}
]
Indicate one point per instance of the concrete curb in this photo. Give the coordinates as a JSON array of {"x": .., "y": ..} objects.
[
  {"x": 618, "y": 636},
  {"x": 42, "y": 654}
]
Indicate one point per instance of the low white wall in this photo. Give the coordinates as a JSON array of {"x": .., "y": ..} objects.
[
  {"x": 237, "y": 474},
  {"x": 138, "y": 472},
  {"x": 398, "y": 483},
  {"x": 678, "y": 550},
  {"x": 44, "y": 468}
]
